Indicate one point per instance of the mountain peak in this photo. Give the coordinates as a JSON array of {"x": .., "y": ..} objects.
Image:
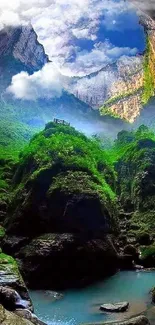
[{"x": 19, "y": 51}]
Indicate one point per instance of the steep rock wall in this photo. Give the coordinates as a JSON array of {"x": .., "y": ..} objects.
[
  {"x": 21, "y": 44},
  {"x": 122, "y": 88},
  {"x": 131, "y": 91},
  {"x": 19, "y": 51}
]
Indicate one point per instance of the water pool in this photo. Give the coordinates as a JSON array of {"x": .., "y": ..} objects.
[{"x": 82, "y": 305}]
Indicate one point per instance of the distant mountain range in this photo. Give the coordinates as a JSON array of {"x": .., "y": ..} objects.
[
  {"x": 21, "y": 51},
  {"x": 114, "y": 90}
]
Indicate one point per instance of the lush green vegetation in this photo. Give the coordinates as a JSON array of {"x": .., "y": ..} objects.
[
  {"x": 72, "y": 151},
  {"x": 149, "y": 85},
  {"x": 72, "y": 163},
  {"x": 147, "y": 252}
]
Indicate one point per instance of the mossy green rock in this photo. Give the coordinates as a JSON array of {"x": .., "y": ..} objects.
[
  {"x": 65, "y": 182},
  {"x": 8, "y": 318}
]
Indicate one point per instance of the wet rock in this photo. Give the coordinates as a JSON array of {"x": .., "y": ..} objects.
[
  {"x": 11, "y": 300},
  {"x": 115, "y": 308},
  {"x": 24, "y": 313},
  {"x": 138, "y": 267},
  {"x": 11, "y": 277},
  {"x": 54, "y": 295},
  {"x": 9, "y": 318}
]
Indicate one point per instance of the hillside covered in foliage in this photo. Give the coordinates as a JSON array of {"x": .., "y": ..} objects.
[{"x": 70, "y": 198}]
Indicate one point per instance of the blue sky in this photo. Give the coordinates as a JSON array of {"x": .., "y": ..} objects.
[
  {"x": 82, "y": 39},
  {"x": 122, "y": 36},
  {"x": 79, "y": 36}
]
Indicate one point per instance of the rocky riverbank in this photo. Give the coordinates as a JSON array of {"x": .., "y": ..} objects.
[{"x": 14, "y": 295}]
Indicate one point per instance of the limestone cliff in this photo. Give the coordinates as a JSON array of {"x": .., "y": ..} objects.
[
  {"x": 21, "y": 43},
  {"x": 133, "y": 90},
  {"x": 122, "y": 88},
  {"x": 19, "y": 51},
  {"x": 124, "y": 98}
]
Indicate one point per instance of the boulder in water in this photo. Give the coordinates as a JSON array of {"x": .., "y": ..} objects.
[
  {"x": 54, "y": 295},
  {"x": 116, "y": 307}
]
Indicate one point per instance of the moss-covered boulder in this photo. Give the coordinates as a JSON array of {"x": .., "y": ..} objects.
[
  {"x": 9, "y": 318},
  {"x": 64, "y": 182}
]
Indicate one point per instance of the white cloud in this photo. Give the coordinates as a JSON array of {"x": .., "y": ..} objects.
[
  {"x": 61, "y": 25},
  {"x": 46, "y": 83},
  {"x": 103, "y": 53},
  {"x": 59, "y": 22}
]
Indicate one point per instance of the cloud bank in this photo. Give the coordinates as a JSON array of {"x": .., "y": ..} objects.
[
  {"x": 46, "y": 83},
  {"x": 62, "y": 25},
  {"x": 69, "y": 31}
]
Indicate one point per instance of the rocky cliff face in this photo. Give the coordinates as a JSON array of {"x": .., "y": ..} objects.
[
  {"x": 19, "y": 51},
  {"x": 112, "y": 81},
  {"x": 22, "y": 45},
  {"x": 122, "y": 88},
  {"x": 135, "y": 87}
]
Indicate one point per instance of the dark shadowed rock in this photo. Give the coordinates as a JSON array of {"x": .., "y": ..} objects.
[
  {"x": 64, "y": 260},
  {"x": 116, "y": 307},
  {"x": 10, "y": 299},
  {"x": 12, "y": 244}
]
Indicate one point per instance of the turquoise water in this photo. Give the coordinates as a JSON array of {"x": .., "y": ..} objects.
[{"x": 82, "y": 305}]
